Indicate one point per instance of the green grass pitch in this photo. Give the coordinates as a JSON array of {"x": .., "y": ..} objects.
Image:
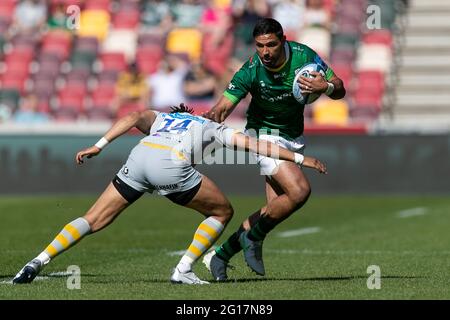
[{"x": 331, "y": 243}]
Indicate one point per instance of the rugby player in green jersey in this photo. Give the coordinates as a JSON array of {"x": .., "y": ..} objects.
[{"x": 275, "y": 115}]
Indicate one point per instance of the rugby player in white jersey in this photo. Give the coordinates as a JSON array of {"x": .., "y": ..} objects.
[{"x": 163, "y": 162}]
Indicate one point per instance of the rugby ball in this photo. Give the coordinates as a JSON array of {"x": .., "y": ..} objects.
[{"x": 305, "y": 71}]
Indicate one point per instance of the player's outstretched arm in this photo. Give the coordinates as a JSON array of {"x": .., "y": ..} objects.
[
  {"x": 272, "y": 150},
  {"x": 142, "y": 120},
  {"x": 314, "y": 163},
  {"x": 221, "y": 110}
]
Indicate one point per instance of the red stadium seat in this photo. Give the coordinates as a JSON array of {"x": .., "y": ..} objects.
[
  {"x": 43, "y": 88},
  {"x": 371, "y": 82},
  {"x": 7, "y": 8},
  {"x": 58, "y": 43},
  {"x": 66, "y": 113},
  {"x": 367, "y": 99},
  {"x": 378, "y": 37},
  {"x": 108, "y": 76},
  {"x": 150, "y": 39},
  {"x": 345, "y": 72},
  {"x": 97, "y": 5},
  {"x": 89, "y": 44},
  {"x": 126, "y": 20},
  {"x": 13, "y": 81},
  {"x": 49, "y": 69},
  {"x": 148, "y": 59},
  {"x": 103, "y": 95},
  {"x": 61, "y": 50},
  {"x": 20, "y": 68},
  {"x": 72, "y": 97},
  {"x": 22, "y": 54},
  {"x": 113, "y": 61}
]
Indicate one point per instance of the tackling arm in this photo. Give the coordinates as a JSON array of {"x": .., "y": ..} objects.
[
  {"x": 221, "y": 110},
  {"x": 272, "y": 150},
  {"x": 142, "y": 120}
]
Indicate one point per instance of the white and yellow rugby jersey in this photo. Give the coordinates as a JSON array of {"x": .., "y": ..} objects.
[{"x": 188, "y": 134}]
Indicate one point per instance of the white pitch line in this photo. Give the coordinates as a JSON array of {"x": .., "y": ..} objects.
[
  {"x": 60, "y": 274},
  {"x": 298, "y": 232},
  {"x": 413, "y": 212},
  {"x": 176, "y": 253},
  {"x": 40, "y": 278},
  {"x": 6, "y": 282}
]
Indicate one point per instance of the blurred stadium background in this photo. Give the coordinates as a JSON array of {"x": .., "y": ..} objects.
[
  {"x": 68, "y": 68},
  {"x": 61, "y": 87}
]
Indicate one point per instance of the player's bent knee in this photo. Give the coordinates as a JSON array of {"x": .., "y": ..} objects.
[
  {"x": 224, "y": 211},
  {"x": 299, "y": 194}
]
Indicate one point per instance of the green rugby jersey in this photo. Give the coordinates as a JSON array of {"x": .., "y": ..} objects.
[{"x": 273, "y": 105}]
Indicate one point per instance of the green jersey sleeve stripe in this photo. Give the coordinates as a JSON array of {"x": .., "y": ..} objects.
[{"x": 230, "y": 97}]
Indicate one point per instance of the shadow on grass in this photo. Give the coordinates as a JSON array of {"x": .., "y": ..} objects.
[
  {"x": 338, "y": 278},
  {"x": 95, "y": 278}
]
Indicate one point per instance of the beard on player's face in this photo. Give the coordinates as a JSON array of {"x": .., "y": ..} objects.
[{"x": 269, "y": 49}]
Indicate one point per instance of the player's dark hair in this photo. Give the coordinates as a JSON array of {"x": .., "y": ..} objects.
[
  {"x": 181, "y": 108},
  {"x": 266, "y": 26}
]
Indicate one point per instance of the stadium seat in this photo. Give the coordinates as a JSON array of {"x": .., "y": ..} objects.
[
  {"x": 23, "y": 54},
  {"x": 150, "y": 39},
  {"x": 334, "y": 112},
  {"x": 126, "y": 20},
  {"x": 103, "y": 5},
  {"x": 24, "y": 41},
  {"x": 103, "y": 95},
  {"x": 7, "y": 8},
  {"x": 383, "y": 37},
  {"x": 374, "y": 57},
  {"x": 113, "y": 61},
  {"x": 13, "y": 81},
  {"x": 72, "y": 97},
  {"x": 20, "y": 68},
  {"x": 108, "y": 76},
  {"x": 121, "y": 40},
  {"x": 87, "y": 44},
  {"x": 367, "y": 99},
  {"x": 148, "y": 59},
  {"x": 343, "y": 71},
  {"x": 66, "y": 113},
  {"x": 94, "y": 22},
  {"x": 49, "y": 68},
  {"x": 77, "y": 76},
  {"x": 43, "y": 88},
  {"x": 370, "y": 81},
  {"x": 185, "y": 41},
  {"x": 60, "y": 49}
]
